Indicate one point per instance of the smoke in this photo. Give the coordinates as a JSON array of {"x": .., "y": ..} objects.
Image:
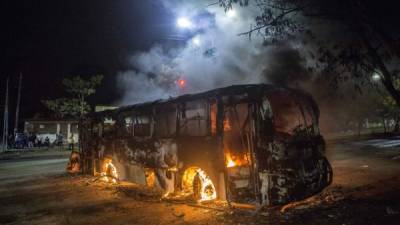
[
  {"x": 287, "y": 67},
  {"x": 211, "y": 55}
]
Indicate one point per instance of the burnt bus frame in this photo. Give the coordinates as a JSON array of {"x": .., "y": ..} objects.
[{"x": 222, "y": 97}]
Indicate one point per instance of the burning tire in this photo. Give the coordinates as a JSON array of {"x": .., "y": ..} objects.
[{"x": 199, "y": 184}]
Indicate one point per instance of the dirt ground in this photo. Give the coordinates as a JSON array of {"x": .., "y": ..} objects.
[{"x": 35, "y": 190}]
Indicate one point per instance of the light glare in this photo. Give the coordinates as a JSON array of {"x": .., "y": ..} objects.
[
  {"x": 184, "y": 22},
  {"x": 231, "y": 13},
  {"x": 196, "y": 41},
  {"x": 376, "y": 76}
]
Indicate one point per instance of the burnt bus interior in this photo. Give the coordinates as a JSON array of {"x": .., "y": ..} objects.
[{"x": 257, "y": 144}]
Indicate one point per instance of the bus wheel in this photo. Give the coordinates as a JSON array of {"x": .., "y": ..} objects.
[{"x": 198, "y": 183}]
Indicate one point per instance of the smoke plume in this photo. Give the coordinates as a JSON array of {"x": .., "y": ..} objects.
[{"x": 212, "y": 55}]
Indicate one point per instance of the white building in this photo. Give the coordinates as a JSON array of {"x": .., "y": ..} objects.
[{"x": 51, "y": 128}]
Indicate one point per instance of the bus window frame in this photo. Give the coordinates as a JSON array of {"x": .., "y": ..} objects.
[
  {"x": 112, "y": 126},
  {"x": 300, "y": 111},
  {"x": 181, "y": 114},
  {"x": 135, "y": 120}
]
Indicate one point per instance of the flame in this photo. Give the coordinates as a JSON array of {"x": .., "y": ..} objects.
[
  {"x": 207, "y": 192},
  {"x": 150, "y": 177},
  {"x": 232, "y": 161},
  {"x": 109, "y": 173},
  {"x": 227, "y": 124},
  {"x": 229, "y": 161},
  {"x": 197, "y": 182}
]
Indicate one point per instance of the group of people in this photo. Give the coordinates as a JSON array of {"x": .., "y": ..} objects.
[{"x": 31, "y": 140}]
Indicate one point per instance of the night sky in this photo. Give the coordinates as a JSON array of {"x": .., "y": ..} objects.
[{"x": 48, "y": 40}]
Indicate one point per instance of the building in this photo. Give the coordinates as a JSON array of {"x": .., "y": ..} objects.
[
  {"x": 100, "y": 108},
  {"x": 52, "y": 127},
  {"x": 45, "y": 127}
]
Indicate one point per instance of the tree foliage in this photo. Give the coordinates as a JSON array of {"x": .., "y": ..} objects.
[
  {"x": 388, "y": 108},
  {"x": 76, "y": 104},
  {"x": 363, "y": 41}
]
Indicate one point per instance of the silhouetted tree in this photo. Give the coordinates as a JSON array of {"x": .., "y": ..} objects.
[
  {"x": 366, "y": 40},
  {"x": 76, "y": 105}
]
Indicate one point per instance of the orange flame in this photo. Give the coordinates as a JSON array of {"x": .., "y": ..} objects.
[
  {"x": 229, "y": 161},
  {"x": 207, "y": 191},
  {"x": 109, "y": 171},
  {"x": 232, "y": 161},
  {"x": 204, "y": 190},
  {"x": 227, "y": 124}
]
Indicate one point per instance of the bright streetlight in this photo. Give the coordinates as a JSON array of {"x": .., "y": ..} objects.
[{"x": 376, "y": 76}]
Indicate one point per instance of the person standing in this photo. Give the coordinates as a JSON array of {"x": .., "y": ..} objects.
[
  {"x": 47, "y": 141},
  {"x": 60, "y": 139},
  {"x": 11, "y": 141},
  {"x": 31, "y": 140},
  {"x": 71, "y": 142}
]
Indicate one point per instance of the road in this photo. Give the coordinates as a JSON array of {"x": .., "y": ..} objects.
[
  {"x": 31, "y": 165},
  {"x": 30, "y": 169},
  {"x": 36, "y": 190}
]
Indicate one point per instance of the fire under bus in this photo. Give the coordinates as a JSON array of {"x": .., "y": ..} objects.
[{"x": 254, "y": 144}]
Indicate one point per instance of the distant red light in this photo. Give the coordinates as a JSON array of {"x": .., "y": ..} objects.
[{"x": 182, "y": 83}]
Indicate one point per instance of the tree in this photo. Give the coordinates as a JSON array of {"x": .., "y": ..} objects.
[
  {"x": 370, "y": 44},
  {"x": 79, "y": 89},
  {"x": 387, "y": 107}
]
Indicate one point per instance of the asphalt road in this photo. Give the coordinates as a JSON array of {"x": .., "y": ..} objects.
[
  {"x": 32, "y": 165},
  {"x": 34, "y": 189}
]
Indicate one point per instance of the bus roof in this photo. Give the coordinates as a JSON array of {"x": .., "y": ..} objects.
[{"x": 249, "y": 89}]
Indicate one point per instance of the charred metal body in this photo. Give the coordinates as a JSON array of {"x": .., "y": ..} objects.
[{"x": 246, "y": 143}]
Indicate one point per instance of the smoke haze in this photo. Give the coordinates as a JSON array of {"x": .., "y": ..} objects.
[
  {"x": 214, "y": 55},
  {"x": 211, "y": 56}
]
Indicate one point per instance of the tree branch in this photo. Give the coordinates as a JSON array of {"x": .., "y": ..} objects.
[
  {"x": 274, "y": 21},
  {"x": 387, "y": 80}
]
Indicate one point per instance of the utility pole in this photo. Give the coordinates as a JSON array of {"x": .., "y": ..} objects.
[
  {"x": 18, "y": 103},
  {"x": 5, "y": 124}
]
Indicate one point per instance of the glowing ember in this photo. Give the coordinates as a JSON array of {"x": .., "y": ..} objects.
[
  {"x": 227, "y": 124},
  {"x": 109, "y": 172}
]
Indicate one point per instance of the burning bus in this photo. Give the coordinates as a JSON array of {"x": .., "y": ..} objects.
[{"x": 257, "y": 144}]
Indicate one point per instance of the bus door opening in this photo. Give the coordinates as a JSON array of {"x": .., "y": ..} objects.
[{"x": 238, "y": 149}]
